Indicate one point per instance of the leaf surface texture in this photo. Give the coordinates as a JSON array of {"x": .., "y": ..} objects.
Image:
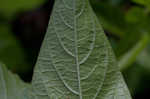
[{"x": 76, "y": 60}]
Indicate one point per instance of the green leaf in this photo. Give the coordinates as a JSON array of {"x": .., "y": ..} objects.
[
  {"x": 76, "y": 60},
  {"x": 11, "y": 87}
]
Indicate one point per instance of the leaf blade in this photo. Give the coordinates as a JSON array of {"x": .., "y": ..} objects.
[{"x": 76, "y": 60}]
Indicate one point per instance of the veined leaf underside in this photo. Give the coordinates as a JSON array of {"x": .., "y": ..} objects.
[{"x": 76, "y": 61}]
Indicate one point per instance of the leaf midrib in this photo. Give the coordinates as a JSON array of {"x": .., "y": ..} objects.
[
  {"x": 76, "y": 50},
  {"x": 76, "y": 56}
]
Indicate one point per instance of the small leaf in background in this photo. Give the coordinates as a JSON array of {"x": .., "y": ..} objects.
[
  {"x": 135, "y": 14},
  {"x": 11, "y": 86},
  {"x": 142, "y": 2},
  {"x": 139, "y": 18},
  {"x": 11, "y": 7},
  {"x": 76, "y": 60}
]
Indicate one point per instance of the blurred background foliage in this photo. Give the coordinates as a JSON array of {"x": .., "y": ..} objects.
[{"x": 23, "y": 24}]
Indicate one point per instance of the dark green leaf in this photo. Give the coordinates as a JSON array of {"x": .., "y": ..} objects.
[
  {"x": 130, "y": 57},
  {"x": 11, "y": 52},
  {"x": 111, "y": 16}
]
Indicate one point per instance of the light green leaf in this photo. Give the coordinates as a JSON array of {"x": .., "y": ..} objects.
[
  {"x": 143, "y": 2},
  {"x": 11, "y": 87},
  {"x": 76, "y": 60},
  {"x": 9, "y": 7}
]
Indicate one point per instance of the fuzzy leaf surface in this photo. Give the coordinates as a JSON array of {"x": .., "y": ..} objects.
[{"x": 76, "y": 60}]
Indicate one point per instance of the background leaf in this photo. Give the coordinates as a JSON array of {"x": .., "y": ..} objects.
[
  {"x": 112, "y": 18},
  {"x": 11, "y": 87},
  {"x": 11, "y": 7}
]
